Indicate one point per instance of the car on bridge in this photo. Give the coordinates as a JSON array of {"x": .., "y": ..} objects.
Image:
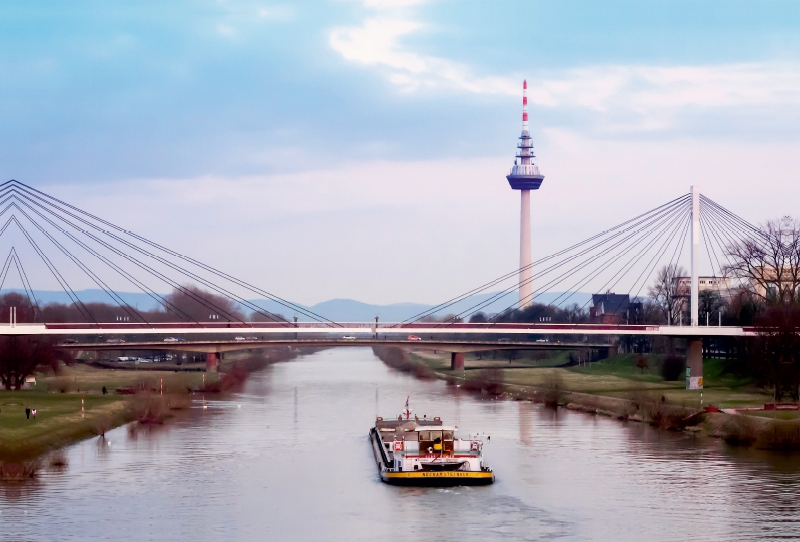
[
  {"x": 414, "y": 338},
  {"x": 239, "y": 339},
  {"x": 170, "y": 340},
  {"x": 349, "y": 338},
  {"x": 115, "y": 340}
]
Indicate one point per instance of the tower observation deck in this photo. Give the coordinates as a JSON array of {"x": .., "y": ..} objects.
[{"x": 525, "y": 176}]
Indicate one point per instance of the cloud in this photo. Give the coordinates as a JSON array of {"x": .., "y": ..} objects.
[
  {"x": 378, "y": 43},
  {"x": 613, "y": 98},
  {"x": 651, "y": 97}
]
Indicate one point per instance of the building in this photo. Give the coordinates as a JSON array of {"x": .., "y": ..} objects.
[
  {"x": 719, "y": 285},
  {"x": 525, "y": 176},
  {"x": 611, "y": 308}
]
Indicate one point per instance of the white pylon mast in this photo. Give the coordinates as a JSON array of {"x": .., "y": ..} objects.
[{"x": 695, "y": 300}]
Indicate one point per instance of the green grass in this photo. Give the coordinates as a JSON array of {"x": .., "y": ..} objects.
[
  {"x": 617, "y": 377},
  {"x": 59, "y": 420}
]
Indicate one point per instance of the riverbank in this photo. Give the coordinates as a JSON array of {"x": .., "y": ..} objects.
[
  {"x": 71, "y": 406},
  {"x": 619, "y": 389}
]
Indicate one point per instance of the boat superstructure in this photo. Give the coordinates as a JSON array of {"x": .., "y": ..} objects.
[{"x": 427, "y": 452}]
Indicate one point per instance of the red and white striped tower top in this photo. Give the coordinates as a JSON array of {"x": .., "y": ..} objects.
[
  {"x": 525, "y": 147},
  {"x": 525, "y": 108}
]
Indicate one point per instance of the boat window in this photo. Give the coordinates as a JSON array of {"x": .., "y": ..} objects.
[
  {"x": 436, "y": 435},
  {"x": 424, "y": 435},
  {"x": 448, "y": 435}
]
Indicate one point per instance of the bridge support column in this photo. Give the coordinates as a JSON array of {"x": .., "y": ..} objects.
[
  {"x": 457, "y": 361},
  {"x": 212, "y": 363},
  {"x": 694, "y": 365}
]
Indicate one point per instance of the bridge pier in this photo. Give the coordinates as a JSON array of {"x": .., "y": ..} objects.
[
  {"x": 457, "y": 361},
  {"x": 694, "y": 365},
  {"x": 212, "y": 362}
]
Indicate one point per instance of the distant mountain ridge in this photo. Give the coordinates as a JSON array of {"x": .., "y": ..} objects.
[{"x": 338, "y": 310}]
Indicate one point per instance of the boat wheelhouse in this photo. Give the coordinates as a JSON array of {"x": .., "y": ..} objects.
[{"x": 427, "y": 452}]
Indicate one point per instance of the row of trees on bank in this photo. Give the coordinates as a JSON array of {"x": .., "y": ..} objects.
[
  {"x": 21, "y": 356},
  {"x": 189, "y": 303}
]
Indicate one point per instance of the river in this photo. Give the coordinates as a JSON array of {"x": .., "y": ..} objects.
[{"x": 289, "y": 459}]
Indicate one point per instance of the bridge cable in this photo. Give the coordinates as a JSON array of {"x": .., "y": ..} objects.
[
  {"x": 203, "y": 266},
  {"x": 208, "y": 304},
  {"x": 647, "y": 222},
  {"x": 444, "y": 305},
  {"x": 657, "y": 222}
]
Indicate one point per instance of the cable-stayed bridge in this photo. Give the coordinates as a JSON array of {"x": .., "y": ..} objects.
[{"x": 52, "y": 244}]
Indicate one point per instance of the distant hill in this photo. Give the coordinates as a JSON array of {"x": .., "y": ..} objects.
[{"x": 338, "y": 310}]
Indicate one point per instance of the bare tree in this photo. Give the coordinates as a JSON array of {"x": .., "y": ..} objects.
[
  {"x": 22, "y": 356},
  {"x": 773, "y": 357},
  {"x": 767, "y": 263},
  {"x": 709, "y": 302},
  {"x": 202, "y": 306},
  {"x": 667, "y": 293}
]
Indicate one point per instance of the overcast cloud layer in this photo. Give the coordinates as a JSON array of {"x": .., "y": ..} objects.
[{"x": 358, "y": 149}]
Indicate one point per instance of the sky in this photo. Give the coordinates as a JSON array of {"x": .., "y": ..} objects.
[{"x": 358, "y": 148}]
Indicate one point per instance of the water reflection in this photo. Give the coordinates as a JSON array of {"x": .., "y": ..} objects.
[{"x": 289, "y": 457}]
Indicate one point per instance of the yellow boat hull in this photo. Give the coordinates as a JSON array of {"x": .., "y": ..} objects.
[{"x": 438, "y": 478}]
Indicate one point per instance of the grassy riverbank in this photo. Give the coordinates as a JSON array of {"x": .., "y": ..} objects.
[
  {"x": 618, "y": 388},
  {"x": 57, "y": 400},
  {"x": 134, "y": 393},
  {"x": 617, "y": 377}
]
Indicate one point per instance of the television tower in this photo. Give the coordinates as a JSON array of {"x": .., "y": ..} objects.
[{"x": 525, "y": 177}]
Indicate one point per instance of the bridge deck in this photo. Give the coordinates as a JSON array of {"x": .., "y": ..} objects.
[{"x": 361, "y": 328}]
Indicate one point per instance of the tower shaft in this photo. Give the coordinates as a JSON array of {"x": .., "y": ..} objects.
[{"x": 525, "y": 273}]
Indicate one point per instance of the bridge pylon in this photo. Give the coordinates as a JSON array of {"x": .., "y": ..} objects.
[
  {"x": 694, "y": 352},
  {"x": 212, "y": 362},
  {"x": 457, "y": 361}
]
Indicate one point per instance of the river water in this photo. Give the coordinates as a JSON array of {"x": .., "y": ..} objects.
[{"x": 289, "y": 459}]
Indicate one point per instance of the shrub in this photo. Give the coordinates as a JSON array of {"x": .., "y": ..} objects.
[
  {"x": 19, "y": 472},
  {"x": 672, "y": 368},
  {"x": 553, "y": 390},
  {"x": 148, "y": 408},
  {"x": 486, "y": 380},
  {"x": 57, "y": 460},
  {"x": 61, "y": 384},
  {"x": 101, "y": 425}
]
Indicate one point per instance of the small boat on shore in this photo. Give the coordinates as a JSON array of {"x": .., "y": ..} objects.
[{"x": 414, "y": 452}]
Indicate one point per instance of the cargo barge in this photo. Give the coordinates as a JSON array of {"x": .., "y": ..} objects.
[{"x": 415, "y": 452}]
